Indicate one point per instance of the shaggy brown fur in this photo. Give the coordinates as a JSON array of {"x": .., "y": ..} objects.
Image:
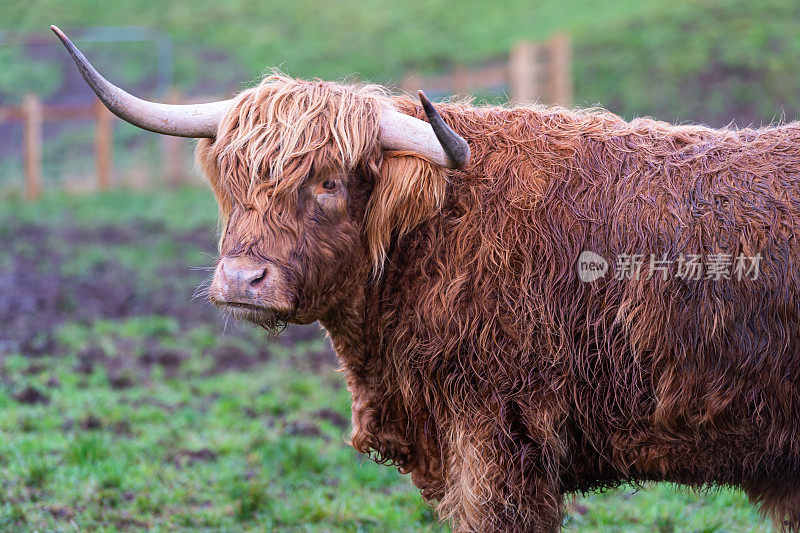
[{"x": 477, "y": 360}]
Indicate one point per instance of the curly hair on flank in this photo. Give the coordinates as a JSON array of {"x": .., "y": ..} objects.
[{"x": 477, "y": 359}]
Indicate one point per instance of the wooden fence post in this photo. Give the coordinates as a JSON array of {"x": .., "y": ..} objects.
[
  {"x": 33, "y": 117},
  {"x": 460, "y": 80},
  {"x": 523, "y": 76},
  {"x": 560, "y": 61},
  {"x": 172, "y": 151},
  {"x": 103, "y": 145}
]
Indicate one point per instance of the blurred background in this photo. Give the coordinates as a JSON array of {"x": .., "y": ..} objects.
[{"x": 125, "y": 404}]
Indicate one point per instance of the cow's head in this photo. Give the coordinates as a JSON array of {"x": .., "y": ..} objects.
[{"x": 312, "y": 180}]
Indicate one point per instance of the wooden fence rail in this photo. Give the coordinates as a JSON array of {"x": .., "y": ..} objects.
[
  {"x": 33, "y": 115},
  {"x": 533, "y": 71}
]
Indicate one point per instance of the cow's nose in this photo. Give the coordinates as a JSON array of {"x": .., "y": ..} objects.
[
  {"x": 250, "y": 283},
  {"x": 242, "y": 272},
  {"x": 241, "y": 280}
]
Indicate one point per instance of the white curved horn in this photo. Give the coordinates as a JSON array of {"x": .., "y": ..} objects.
[{"x": 197, "y": 120}]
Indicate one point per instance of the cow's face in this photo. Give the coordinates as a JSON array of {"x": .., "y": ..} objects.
[
  {"x": 291, "y": 256},
  {"x": 309, "y": 200}
]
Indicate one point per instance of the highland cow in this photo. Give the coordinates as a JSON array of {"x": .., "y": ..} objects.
[{"x": 478, "y": 359}]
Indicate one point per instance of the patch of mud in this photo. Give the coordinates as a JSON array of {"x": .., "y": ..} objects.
[
  {"x": 32, "y": 396},
  {"x": 228, "y": 357},
  {"x": 333, "y": 417},
  {"x": 34, "y": 369},
  {"x": 37, "y": 297},
  {"x": 61, "y": 512},
  {"x": 190, "y": 457},
  {"x": 303, "y": 428},
  {"x": 91, "y": 422},
  {"x": 122, "y": 428}
]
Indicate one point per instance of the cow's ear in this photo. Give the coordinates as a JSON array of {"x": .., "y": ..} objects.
[{"x": 407, "y": 191}]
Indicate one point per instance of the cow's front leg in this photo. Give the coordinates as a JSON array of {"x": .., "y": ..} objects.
[{"x": 495, "y": 483}]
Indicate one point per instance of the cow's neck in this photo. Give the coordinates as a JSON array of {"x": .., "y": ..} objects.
[{"x": 349, "y": 328}]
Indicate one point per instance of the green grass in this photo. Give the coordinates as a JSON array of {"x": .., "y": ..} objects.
[
  {"x": 684, "y": 60},
  {"x": 709, "y": 61},
  {"x": 261, "y": 448},
  {"x": 310, "y": 38},
  {"x": 189, "y": 456}
]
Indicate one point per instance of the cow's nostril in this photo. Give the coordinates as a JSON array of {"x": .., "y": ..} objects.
[
  {"x": 259, "y": 278},
  {"x": 240, "y": 274}
]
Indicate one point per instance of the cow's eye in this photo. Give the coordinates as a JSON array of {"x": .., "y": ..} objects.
[{"x": 329, "y": 185}]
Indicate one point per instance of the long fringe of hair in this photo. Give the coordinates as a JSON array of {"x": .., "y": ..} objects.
[{"x": 279, "y": 131}]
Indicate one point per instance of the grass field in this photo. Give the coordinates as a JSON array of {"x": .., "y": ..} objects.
[
  {"x": 711, "y": 61},
  {"x": 126, "y": 405}
]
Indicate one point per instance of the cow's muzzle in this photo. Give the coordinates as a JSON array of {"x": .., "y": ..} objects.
[{"x": 247, "y": 284}]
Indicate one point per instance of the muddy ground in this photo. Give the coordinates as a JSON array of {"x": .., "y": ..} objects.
[{"x": 42, "y": 290}]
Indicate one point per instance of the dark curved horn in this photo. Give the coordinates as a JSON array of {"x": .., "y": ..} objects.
[
  {"x": 453, "y": 144},
  {"x": 435, "y": 142},
  {"x": 197, "y": 120}
]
